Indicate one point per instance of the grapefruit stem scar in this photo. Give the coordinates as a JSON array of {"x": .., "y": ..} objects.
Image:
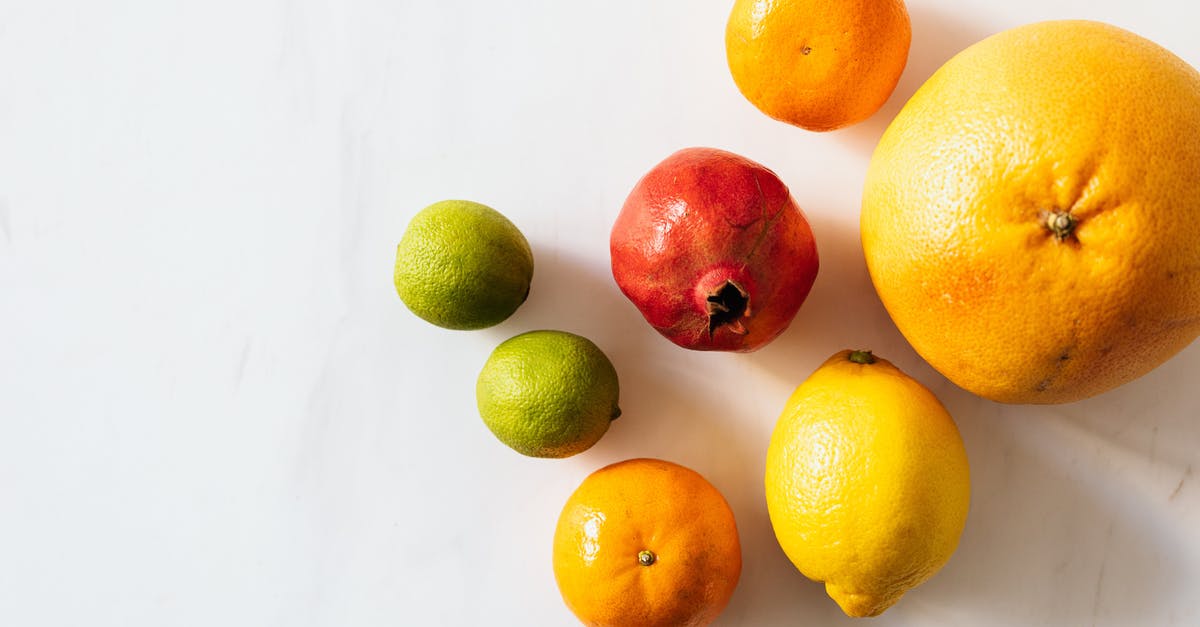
[{"x": 1061, "y": 223}]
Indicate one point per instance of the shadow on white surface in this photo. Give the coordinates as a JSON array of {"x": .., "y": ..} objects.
[
  {"x": 669, "y": 408},
  {"x": 684, "y": 406},
  {"x": 842, "y": 310},
  {"x": 1147, "y": 417},
  {"x": 1073, "y": 506},
  {"x": 571, "y": 294},
  {"x": 1067, "y": 521},
  {"x": 1060, "y": 520},
  {"x": 937, "y": 35}
]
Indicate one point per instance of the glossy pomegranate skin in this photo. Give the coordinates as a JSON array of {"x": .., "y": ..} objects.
[{"x": 713, "y": 250}]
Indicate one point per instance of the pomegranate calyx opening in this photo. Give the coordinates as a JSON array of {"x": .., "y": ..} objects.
[{"x": 727, "y": 305}]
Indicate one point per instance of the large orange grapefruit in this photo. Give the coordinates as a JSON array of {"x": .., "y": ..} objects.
[{"x": 1031, "y": 218}]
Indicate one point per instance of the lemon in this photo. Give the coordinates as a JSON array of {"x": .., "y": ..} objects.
[
  {"x": 548, "y": 393},
  {"x": 462, "y": 265},
  {"x": 867, "y": 482}
]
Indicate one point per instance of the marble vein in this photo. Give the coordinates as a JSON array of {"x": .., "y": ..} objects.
[{"x": 1186, "y": 473}]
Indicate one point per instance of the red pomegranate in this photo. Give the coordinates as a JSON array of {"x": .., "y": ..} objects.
[{"x": 713, "y": 251}]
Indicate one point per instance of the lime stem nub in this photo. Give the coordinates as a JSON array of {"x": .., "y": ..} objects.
[
  {"x": 862, "y": 357},
  {"x": 646, "y": 558}
]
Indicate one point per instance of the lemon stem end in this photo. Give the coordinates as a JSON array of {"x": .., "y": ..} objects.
[{"x": 862, "y": 357}]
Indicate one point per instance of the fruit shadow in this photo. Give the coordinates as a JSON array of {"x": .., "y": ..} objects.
[
  {"x": 1080, "y": 509},
  {"x": 1151, "y": 420},
  {"x": 1055, "y": 525},
  {"x": 842, "y": 311},
  {"x": 679, "y": 405},
  {"x": 571, "y": 293},
  {"x": 671, "y": 408},
  {"x": 1049, "y": 539},
  {"x": 1045, "y": 527},
  {"x": 937, "y": 35}
]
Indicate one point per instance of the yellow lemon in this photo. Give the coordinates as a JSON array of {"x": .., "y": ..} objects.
[{"x": 867, "y": 482}]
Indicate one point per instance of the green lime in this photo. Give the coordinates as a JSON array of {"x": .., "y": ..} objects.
[
  {"x": 462, "y": 265},
  {"x": 548, "y": 393}
]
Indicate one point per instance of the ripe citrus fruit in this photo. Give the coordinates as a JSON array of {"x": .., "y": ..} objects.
[
  {"x": 646, "y": 543},
  {"x": 462, "y": 265},
  {"x": 548, "y": 393},
  {"x": 1031, "y": 217},
  {"x": 817, "y": 64},
  {"x": 867, "y": 482}
]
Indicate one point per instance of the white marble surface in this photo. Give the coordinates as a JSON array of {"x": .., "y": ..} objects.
[{"x": 215, "y": 411}]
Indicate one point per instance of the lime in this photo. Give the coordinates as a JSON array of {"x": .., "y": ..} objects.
[
  {"x": 462, "y": 265},
  {"x": 548, "y": 393}
]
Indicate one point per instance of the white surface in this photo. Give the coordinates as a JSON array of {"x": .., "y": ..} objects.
[{"x": 215, "y": 411}]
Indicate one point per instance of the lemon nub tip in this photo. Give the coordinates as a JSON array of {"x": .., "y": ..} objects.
[{"x": 859, "y": 604}]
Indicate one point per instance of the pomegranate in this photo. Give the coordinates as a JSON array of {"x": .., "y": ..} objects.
[{"x": 713, "y": 251}]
